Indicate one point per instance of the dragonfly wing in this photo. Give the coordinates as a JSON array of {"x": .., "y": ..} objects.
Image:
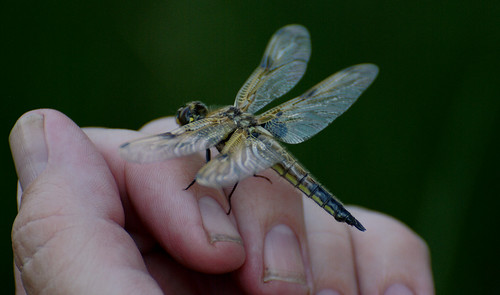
[
  {"x": 302, "y": 117},
  {"x": 282, "y": 66},
  {"x": 185, "y": 140},
  {"x": 245, "y": 154}
]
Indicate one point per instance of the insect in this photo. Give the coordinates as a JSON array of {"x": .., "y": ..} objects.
[{"x": 248, "y": 143}]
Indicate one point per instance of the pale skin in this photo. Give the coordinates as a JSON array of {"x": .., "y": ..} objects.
[{"x": 91, "y": 223}]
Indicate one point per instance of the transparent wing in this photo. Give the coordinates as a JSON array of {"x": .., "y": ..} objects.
[
  {"x": 243, "y": 155},
  {"x": 283, "y": 64},
  {"x": 302, "y": 117},
  {"x": 185, "y": 140}
]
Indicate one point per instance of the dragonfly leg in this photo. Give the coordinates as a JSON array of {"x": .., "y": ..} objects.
[
  {"x": 190, "y": 185},
  {"x": 208, "y": 155},
  {"x": 229, "y": 198},
  {"x": 262, "y": 176}
]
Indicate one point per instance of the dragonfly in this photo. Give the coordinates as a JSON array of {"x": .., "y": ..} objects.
[{"x": 249, "y": 143}]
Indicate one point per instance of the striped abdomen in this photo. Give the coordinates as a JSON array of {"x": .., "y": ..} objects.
[{"x": 292, "y": 171}]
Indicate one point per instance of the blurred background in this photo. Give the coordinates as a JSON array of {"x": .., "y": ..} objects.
[{"x": 421, "y": 144}]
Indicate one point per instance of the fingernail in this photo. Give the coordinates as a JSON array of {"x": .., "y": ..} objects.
[
  {"x": 29, "y": 148},
  {"x": 398, "y": 289},
  {"x": 282, "y": 256},
  {"x": 327, "y": 292},
  {"x": 217, "y": 224}
]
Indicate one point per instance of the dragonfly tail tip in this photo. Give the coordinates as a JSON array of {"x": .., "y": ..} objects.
[{"x": 358, "y": 225}]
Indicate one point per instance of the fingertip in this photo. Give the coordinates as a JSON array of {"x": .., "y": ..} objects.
[
  {"x": 277, "y": 259},
  {"x": 45, "y": 141},
  {"x": 391, "y": 254}
]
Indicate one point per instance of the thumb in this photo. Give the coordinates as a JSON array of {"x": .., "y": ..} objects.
[{"x": 68, "y": 236}]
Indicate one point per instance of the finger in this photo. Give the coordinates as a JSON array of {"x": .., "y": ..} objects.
[
  {"x": 331, "y": 252},
  {"x": 190, "y": 224},
  {"x": 270, "y": 219},
  {"x": 390, "y": 258},
  {"x": 68, "y": 236}
]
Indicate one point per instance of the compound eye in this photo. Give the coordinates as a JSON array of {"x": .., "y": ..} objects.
[
  {"x": 183, "y": 115},
  {"x": 191, "y": 112}
]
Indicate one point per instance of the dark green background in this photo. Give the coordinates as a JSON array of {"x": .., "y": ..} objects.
[{"x": 421, "y": 144}]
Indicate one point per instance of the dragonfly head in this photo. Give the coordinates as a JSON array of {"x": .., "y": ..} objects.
[{"x": 190, "y": 112}]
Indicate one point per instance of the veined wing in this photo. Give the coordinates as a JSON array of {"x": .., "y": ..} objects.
[
  {"x": 185, "y": 140},
  {"x": 282, "y": 66},
  {"x": 302, "y": 117},
  {"x": 245, "y": 153}
]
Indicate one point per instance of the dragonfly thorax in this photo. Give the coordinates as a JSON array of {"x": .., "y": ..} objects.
[
  {"x": 241, "y": 119},
  {"x": 245, "y": 120}
]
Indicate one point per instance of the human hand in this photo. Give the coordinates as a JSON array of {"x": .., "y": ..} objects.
[{"x": 90, "y": 223}]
